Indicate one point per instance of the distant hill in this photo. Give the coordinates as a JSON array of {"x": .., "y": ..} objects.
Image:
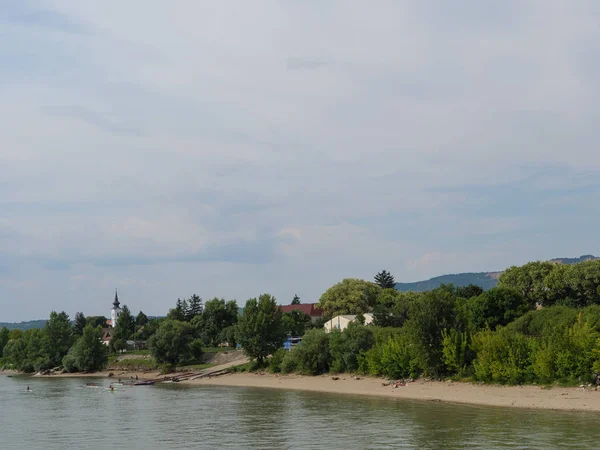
[
  {"x": 486, "y": 280},
  {"x": 24, "y": 325}
]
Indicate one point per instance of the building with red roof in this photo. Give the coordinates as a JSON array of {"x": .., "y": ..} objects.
[{"x": 309, "y": 309}]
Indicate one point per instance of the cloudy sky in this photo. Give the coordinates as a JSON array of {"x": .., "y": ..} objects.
[{"x": 233, "y": 148}]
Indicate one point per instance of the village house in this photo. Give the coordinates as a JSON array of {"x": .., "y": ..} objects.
[
  {"x": 342, "y": 321},
  {"x": 310, "y": 309}
]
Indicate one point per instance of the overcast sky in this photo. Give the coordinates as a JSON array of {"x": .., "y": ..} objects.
[{"x": 234, "y": 148}]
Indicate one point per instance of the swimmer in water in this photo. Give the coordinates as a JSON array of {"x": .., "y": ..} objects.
[{"x": 28, "y": 388}]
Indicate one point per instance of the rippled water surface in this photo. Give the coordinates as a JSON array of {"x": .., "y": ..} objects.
[{"x": 62, "y": 414}]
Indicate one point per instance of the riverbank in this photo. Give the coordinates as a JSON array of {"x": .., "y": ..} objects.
[
  {"x": 536, "y": 397},
  {"x": 556, "y": 398}
]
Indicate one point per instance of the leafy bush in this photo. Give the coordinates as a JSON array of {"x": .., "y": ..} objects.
[
  {"x": 70, "y": 364},
  {"x": 502, "y": 357},
  {"x": 276, "y": 360},
  {"x": 346, "y": 346},
  {"x": 311, "y": 356}
]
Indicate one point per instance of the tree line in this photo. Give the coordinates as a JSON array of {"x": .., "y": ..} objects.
[{"x": 540, "y": 324}]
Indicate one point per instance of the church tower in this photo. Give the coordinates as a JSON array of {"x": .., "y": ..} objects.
[{"x": 115, "y": 311}]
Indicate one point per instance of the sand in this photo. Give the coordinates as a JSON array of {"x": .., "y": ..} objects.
[{"x": 556, "y": 398}]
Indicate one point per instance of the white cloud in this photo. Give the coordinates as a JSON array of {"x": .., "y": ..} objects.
[{"x": 321, "y": 138}]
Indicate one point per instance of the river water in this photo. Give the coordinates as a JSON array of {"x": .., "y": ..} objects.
[{"x": 63, "y": 414}]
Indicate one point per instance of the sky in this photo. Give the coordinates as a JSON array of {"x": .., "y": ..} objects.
[{"x": 235, "y": 148}]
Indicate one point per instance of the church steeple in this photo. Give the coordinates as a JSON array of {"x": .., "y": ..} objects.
[{"x": 115, "y": 311}]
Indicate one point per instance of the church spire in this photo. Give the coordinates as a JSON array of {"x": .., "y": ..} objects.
[{"x": 116, "y": 302}]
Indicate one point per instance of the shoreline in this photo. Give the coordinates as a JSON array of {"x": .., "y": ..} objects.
[{"x": 528, "y": 396}]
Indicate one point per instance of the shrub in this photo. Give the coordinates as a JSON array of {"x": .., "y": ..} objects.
[
  {"x": 70, "y": 364},
  {"x": 276, "y": 360}
]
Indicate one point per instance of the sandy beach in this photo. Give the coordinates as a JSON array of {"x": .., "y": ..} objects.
[{"x": 556, "y": 398}]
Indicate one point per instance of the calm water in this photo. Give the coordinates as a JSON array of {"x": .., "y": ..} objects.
[{"x": 61, "y": 414}]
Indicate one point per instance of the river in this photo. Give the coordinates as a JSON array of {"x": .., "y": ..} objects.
[{"x": 63, "y": 414}]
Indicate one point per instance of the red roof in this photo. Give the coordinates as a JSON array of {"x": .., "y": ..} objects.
[{"x": 306, "y": 308}]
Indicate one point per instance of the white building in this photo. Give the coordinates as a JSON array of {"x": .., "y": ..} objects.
[
  {"x": 115, "y": 311},
  {"x": 341, "y": 322}
]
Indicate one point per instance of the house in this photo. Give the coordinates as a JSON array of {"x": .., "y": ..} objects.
[
  {"x": 309, "y": 309},
  {"x": 341, "y": 322}
]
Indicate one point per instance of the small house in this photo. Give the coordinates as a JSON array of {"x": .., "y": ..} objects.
[{"x": 342, "y": 321}]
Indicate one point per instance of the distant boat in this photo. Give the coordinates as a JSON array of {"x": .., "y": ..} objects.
[{"x": 144, "y": 383}]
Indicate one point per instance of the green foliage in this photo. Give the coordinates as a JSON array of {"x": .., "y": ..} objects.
[
  {"x": 4, "y": 337},
  {"x": 261, "y": 330},
  {"x": 469, "y": 291},
  {"x": 429, "y": 315},
  {"x": 217, "y": 316},
  {"x": 29, "y": 351},
  {"x": 70, "y": 364},
  {"x": 79, "y": 324},
  {"x": 497, "y": 307},
  {"x": 457, "y": 351},
  {"x": 172, "y": 342},
  {"x": 502, "y": 357},
  {"x": 149, "y": 329},
  {"x": 276, "y": 360},
  {"x": 391, "y": 307},
  {"x": 385, "y": 280},
  {"x": 345, "y": 347},
  {"x": 528, "y": 280},
  {"x": 58, "y": 337},
  {"x": 141, "y": 319},
  {"x": 89, "y": 353},
  {"x": 312, "y": 356},
  {"x": 125, "y": 325},
  {"x": 296, "y": 300},
  {"x": 350, "y": 296},
  {"x": 545, "y": 321},
  {"x": 194, "y": 307},
  {"x": 296, "y": 322},
  {"x": 96, "y": 321},
  {"x": 397, "y": 359}
]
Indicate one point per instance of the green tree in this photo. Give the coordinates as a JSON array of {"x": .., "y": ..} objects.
[
  {"x": 79, "y": 324},
  {"x": 529, "y": 280},
  {"x": 89, "y": 353},
  {"x": 391, "y": 307},
  {"x": 29, "y": 351},
  {"x": 149, "y": 329},
  {"x": 346, "y": 346},
  {"x": 296, "y": 300},
  {"x": 385, "y": 280},
  {"x": 429, "y": 315},
  {"x": 172, "y": 342},
  {"x": 497, "y": 307},
  {"x": 179, "y": 312},
  {"x": 4, "y": 337},
  {"x": 350, "y": 296},
  {"x": 311, "y": 356},
  {"x": 194, "y": 307},
  {"x": 472, "y": 290},
  {"x": 141, "y": 319},
  {"x": 260, "y": 329},
  {"x": 296, "y": 322},
  {"x": 96, "y": 321},
  {"x": 125, "y": 325},
  {"x": 59, "y": 337},
  {"x": 216, "y": 316}
]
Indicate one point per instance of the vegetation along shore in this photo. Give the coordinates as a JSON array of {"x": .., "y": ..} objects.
[{"x": 540, "y": 325}]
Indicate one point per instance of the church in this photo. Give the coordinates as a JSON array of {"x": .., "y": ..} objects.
[{"x": 111, "y": 323}]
